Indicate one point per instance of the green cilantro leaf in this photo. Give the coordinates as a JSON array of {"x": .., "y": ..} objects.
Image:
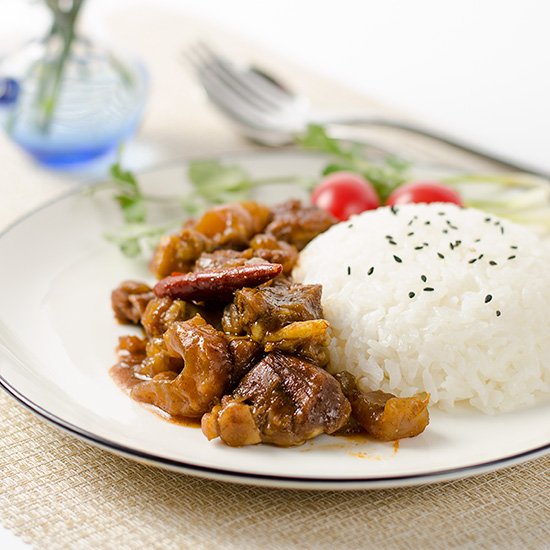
[
  {"x": 216, "y": 182},
  {"x": 384, "y": 176},
  {"x": 129, "y": 195}
]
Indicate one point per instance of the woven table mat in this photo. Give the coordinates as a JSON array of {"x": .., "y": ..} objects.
[{"x": 57, "y": 492}]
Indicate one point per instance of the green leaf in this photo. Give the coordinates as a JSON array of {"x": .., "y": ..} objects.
[
  {"x": 350, "y": 157},
  {"x": 129, "y": 197},
  {"x": 130, "y": 248},
  {"x": 213, "y": 179},
  {"x": 133, "y": 208},
  {"x": 317, "y": 139},
  {"x": 132, "y": 237},
  {"x": 335, "y": 167}
]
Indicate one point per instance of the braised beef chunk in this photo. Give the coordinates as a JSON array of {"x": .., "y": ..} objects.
[
  {"x": 206, "y": 375},
  {"x": 267, "y": 308},
  {"x": 272, "y": 234},
  {"x": 298, "y": 224},
  {"x": 129, "y": 300},
  {"x": 177, "y": 253},
  {"x": 221, "y": 259},
  {"x": 245, "y": 353},
  {"x": 233, "y": 225},
  {"x": 283, "y": 400},
  {"x": 216, "y": 285},
  {"x": 382, "y": 415}
]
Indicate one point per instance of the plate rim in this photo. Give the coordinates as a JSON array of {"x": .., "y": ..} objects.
[
  {"x": 249, "y": 478},
  {"x": 270, "y": 479}
]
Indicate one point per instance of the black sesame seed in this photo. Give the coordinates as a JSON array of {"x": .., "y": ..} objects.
[
  {"x": 424, "y": 278},
  {"x": 497, "y": 223},
  {"x": 370, "y": 271},
  {"x": 445, "y": 231},
  {"x": 427, "y": 222},
  {"x": 441, "y": 213},
  {"x": 513, "y": 247},
  {"x": 501, "y": 230},
  {"x": 389, "y": 237},
  {"x": 410, "y": 223},
  {"x": 428, "y": 289},
  {"x": 488, "y": 298},
  {"x": 397, "y": 259},
  {"x": 426, "y": 244},
  {"x": 392, "y": 242},
  {"x": 511, "y": 257},
  {"x": 451, "y": 246},
  {"x": 350, "y": 225},
  {"x": 394, "y": 210},
  {"x": 472, "y": 261},
  {"x": 418, "y": 247},
  {"x": 497, "y": 312},
  {"x": 453, "y": 227},
  {"x": 441, "y": 255},
  {"x": 477, "y": 240},
  {"x": 410, "y": 234},
  {"x": 487, "y": 219},
  {"x": 480, "y": 256},
  {"x": 492, "y": 262},
  {"x": 411, "y": 294},
  {"x": 349, "y": 270}
]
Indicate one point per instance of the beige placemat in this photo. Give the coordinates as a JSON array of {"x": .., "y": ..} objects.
[{"x": 57, "y": 492}]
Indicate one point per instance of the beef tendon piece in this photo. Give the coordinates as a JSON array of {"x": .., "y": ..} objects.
[
  {"x": 221, "y": 259},
  {"x": 383, "y": 415},
  {"x": 268, "y": 308},
  {"x": 233, "y": 225},
  {"x": 162, "y": 312},
  {"x": 205, "y": 376},
  {"x": 178, "y": 252},
  {"x": 308, "y": 339},
  {"x": 131, "y": 350},
  {"x": 283, "y": 400},
  {"x": 298, "y": 224},
  {"x": 129, "y": 301},
  {"x": 158, "y": 360},
  {"x": 217, "y": 285},
  {"x": 270, "y": 249}
]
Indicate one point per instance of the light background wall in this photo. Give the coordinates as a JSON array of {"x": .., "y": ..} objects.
[{"x": 477, "y": 68}]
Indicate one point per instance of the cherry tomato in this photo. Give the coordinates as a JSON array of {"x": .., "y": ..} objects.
[
  {"x": 424, "y": 191},
  {"x": 344, "y": 194}
]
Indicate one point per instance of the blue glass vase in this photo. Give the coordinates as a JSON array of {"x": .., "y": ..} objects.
[{"x": 71, "y": 111}]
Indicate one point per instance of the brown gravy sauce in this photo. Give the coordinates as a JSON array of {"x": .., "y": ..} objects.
[{"x": 123, "y": 376}]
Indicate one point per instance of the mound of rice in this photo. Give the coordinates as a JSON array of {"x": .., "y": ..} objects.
[{"x": 440, "y": 299}]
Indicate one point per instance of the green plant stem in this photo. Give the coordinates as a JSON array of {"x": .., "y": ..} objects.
[{"x": 64, "y": 25}]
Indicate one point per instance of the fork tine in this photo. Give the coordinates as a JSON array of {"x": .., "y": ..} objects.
[
  {"x": 231, "y": 78},
  {"x": 230, "y": 101},
  {"x": 252, "y": 86}
]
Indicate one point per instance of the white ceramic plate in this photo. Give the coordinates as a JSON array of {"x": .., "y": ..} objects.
[{"x": 57, "y": 339}]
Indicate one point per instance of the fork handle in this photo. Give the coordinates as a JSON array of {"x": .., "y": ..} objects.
[{"x": 436, "y": 136}]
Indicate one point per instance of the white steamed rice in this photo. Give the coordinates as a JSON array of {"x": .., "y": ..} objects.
[{"x": 481, "y": 336}]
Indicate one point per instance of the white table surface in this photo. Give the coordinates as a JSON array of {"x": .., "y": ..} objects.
[{"x": 476, "y": 69}]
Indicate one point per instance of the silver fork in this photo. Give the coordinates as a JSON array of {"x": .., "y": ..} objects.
[{"x": 268, "y": 112}]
